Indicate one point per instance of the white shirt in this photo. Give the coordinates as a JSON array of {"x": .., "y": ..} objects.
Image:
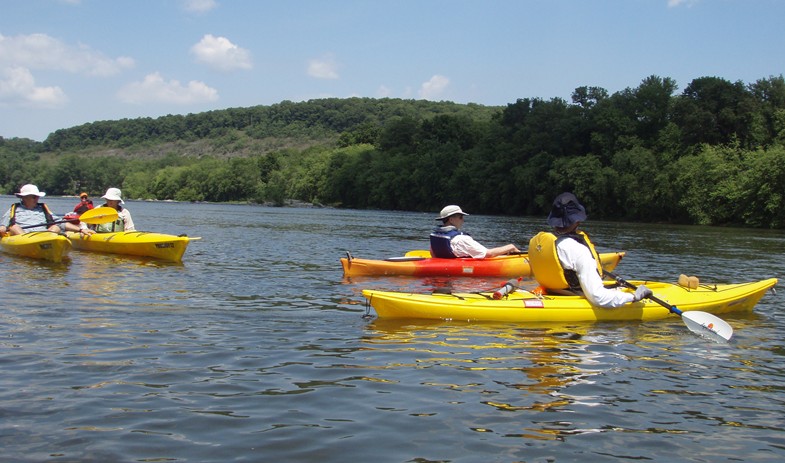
[
  {"x": 466, "y": 246},
  {"x": 575, "y": 256},
  {"x": 128, "y": 223}
]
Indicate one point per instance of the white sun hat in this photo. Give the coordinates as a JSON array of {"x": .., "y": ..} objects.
[
  {"x": 450, "y": 210},
  {"x": 114, "y": 194},
  {"x": 28, "y": 190}
]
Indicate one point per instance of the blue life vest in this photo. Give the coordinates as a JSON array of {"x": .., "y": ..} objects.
[{"x": 440, "y": 242}]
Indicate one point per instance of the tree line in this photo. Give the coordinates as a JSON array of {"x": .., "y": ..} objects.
[{"x": 713, "y": 154}]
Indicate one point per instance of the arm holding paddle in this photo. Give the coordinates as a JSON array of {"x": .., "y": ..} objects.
[
  {"x": 702, "y": 323},
  {"x": 57, "y": 226},
  {"x": 29, "y": 211},
  {"x": 502, "y": 250},
  {"x": 577, "y": 257},
  {"x": 18, "y": 226},
  {"x": 566, "y": 259},
  {"x": 574, "y": 252},
  {"x": 53, "y": 227},
  {"x": 641, "y": 293},
  {"x": 94, "y": 216}
]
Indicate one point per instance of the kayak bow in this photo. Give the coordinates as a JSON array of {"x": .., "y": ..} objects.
[{"x": 44, "y": 245}]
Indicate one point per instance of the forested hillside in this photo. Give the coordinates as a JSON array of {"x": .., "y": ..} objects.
[{"x": 713, "y": 153}]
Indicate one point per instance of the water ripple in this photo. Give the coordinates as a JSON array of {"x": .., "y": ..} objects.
[{"x": 254, "y": 349}]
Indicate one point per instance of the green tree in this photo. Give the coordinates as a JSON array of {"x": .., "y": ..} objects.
[
  {"x": 763, "y": 183},
  {"x": 588, "y": 179},
  {"x": 714, "y": 111},
  {"x": 770, "y": 95}
]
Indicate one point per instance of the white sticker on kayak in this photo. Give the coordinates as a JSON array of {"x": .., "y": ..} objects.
[{"x": 533, "y": 303}]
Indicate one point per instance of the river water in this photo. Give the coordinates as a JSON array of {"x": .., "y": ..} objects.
[{"x": 255, "y": 349}]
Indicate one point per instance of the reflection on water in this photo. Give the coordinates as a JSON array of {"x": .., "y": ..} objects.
[
  {"x": 255, "y": 349},
  {"x": 545, "y": 354},
  {"x": 537, "y": 366}
]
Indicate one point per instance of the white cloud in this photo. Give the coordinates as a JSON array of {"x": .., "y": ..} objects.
[
  {"x": 42, "y": 52},
  {"x": 18, "y": 88},
  {"x": 221, "y": 54},
  {"x": 154, "y": 89},
  {"x": 677, "y": 3},
  {"x": 324, "y": 68},
  {"x": 199, "y": 6},
  {"x": 434, "y": 87}
]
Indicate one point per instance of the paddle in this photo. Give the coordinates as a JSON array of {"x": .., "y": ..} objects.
[
  {"x": 93, "y": 217},
  {"x": 702, "y": 323}
]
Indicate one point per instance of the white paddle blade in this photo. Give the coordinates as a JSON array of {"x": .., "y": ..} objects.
[{"x": 708, "y": 325}]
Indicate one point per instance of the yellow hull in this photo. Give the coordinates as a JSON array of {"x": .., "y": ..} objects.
[
  {"x": 142, "y": 244},
  {"x": 37, "y": 245},
  {"x": 524, "y": 306},
  {"x": 502, "y": 266}
]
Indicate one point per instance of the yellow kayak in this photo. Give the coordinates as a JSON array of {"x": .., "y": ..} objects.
[
  {"x": 136, "y": 243},
  {"x": 501, "y": 266},
  {"x": 527, "y": 306},
  {"x": 37, "y": 245}
]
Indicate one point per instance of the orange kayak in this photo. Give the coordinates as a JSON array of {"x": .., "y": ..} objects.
[{"x": 501, "y": 266}]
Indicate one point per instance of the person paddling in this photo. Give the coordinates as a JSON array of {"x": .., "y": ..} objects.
[
  {"x": 565, "y": 259},
  {"x": 20, "y": 217},
  {"x": 114, "y": 199}
]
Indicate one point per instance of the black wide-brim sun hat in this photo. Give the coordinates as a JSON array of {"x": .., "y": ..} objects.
[{"x": 566, "y": 210}]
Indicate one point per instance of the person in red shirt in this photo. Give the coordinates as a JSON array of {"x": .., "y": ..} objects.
[{"x": 84, "y": 205}]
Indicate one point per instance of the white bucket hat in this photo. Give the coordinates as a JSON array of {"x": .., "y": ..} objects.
[
  {"x": 28, "y": 190},
  {"x": 114, "y": 194},
  {"x": 450, "y": 210}
]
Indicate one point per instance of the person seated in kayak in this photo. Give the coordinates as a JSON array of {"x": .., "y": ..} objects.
[
  {"x": 124, "y": 222},
  {"x": 85, "y": 204},
  {"x": 565, "y": 259},
  {"x": 448, "y": 242},
  {"x": 28, "y": 211}
]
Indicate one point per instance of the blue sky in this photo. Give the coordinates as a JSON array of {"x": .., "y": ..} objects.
[{"x": 68, "y": 62}]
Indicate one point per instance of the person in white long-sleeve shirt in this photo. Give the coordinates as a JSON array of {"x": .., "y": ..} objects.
[{"x": 565, "y": 259}]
